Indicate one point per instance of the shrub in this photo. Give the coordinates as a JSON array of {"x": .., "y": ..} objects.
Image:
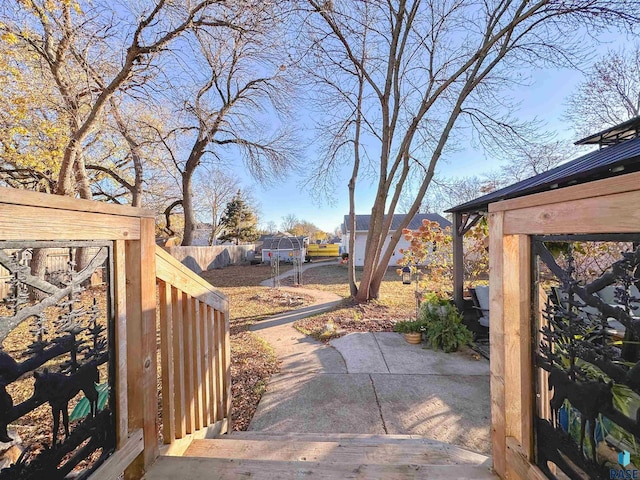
[{"x": 444, "y": 328}]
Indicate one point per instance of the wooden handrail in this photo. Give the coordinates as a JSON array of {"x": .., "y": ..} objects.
[
  {"x": 195, "y": 351},
  {"x": 170, "y": 270}
]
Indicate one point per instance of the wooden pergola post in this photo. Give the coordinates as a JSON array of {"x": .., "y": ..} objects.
[{"x": 458, "y": 258}]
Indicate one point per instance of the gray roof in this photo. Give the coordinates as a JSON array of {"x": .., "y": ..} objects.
[
  {"x": 607, "y": 162},
  {"x": 363, "y": 221}
]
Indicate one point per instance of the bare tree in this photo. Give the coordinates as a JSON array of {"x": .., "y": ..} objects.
[
  {"x": 216, "y": 188},
  {"x": 238, "y": 110},
  {"x": 271, "y": 227},
  {"x": 411, "y": 75},
  {"x": 609, "y": 95},
  {"x": 289, "y": 222}
]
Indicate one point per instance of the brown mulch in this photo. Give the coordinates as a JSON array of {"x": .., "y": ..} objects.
[
  {"x": 353, "y": 317},
  {"x": 252, "y": 364}
]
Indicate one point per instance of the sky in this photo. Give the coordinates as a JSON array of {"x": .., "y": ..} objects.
[{"x": 543, "y": 99}]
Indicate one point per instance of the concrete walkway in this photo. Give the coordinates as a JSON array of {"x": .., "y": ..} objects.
[{"x": 371, "y": 383}]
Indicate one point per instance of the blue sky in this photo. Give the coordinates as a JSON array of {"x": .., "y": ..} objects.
[{"x": 543, "y": 99}]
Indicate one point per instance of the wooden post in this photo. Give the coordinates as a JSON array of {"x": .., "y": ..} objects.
[
  {"x": 168, "y": 375},
  {"x": 496, "y": 339},
  {"x": 190, "y": 405},
  {"x": 517, "y": 340},
  {"x": 178, "y": 364},
  {"x": 227, "y": 368},
  {"x": 120, "y": 315},
  {"x": 141, "y": 344},
  {"x": 458, "y": 262},
  {"x": 197, "y": 364}
]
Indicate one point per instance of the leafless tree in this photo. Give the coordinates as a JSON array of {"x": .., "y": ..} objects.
[
  {"x": 409, "y": 78},
  {"x": 609, "y": 95},
  {"x": 239, "y": 109},
  {"x": 215, "y": 189},
  {"x": 90, "y": 63},
  {"x": 289, "y": 221}
]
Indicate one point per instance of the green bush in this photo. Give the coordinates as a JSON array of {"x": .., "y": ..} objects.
[
  {"x": 443, "y": 327},
  {"x": 409, "y": 326}
]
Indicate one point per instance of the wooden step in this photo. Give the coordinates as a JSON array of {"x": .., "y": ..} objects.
[
  {"x": 457, "y": 454},
  {"x": 356, "y": 437},
  {"x": 334, "y": 452},
  {"x": 196, "y": 468}
]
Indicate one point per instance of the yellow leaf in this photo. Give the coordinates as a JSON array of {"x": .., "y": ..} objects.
[{"x": 10, "y": 38}]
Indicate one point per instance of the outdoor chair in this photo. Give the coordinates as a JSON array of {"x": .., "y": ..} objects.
[
  {"x": 616, "y": 328},
  {"x": 607, "y": 294},
  {"x": 480, "y": 296}
]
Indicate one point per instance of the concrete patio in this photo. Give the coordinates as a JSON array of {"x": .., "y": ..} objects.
[{"x": 372, "y": 383}]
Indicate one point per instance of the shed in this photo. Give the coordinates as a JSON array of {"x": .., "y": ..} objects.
[{"x": 592, "y": 198}]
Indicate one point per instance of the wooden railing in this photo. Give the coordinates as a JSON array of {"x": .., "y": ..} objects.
[
  {"x": 195, "y": 353},
  {"x": 194, "y": 326}
]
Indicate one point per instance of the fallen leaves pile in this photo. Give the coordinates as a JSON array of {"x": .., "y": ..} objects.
[{"x": 252, "y": 364}]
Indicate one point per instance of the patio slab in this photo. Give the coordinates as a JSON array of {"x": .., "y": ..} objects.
[
  {"x": 372, "y": 383},
  {"x": 361, "y": 353},
  {"x": 319, "y": 403},
  {"x": 403, "y": 358},
  {"x": 449, "y": 408}
]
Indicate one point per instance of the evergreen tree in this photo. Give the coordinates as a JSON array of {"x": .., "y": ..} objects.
[{"x": 238, "y": 221}]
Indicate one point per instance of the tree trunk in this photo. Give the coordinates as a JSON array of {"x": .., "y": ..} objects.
[
  {"x": 372, "y": 250},
  {"x": 187, "y": 207},
  {"x": 38, "y": 267},
  {"x": 351, "y": 262}
]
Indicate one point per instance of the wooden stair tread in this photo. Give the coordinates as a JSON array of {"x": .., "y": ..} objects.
[
  {"x": 188, "y": 468},
  {"x": 458, "y": 454},
  {"x": 367, "y": 437},
  {"x": 334, "y": 452}
]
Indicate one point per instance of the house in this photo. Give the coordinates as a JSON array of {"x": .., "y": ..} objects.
[
  {"x": 285, "y": 246},
  {"x": 362, "y": 232}
]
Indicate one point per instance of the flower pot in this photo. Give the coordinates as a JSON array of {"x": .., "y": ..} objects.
[{"x": 413, "y": 337}]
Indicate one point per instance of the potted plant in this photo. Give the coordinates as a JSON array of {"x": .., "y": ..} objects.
[
  {"x": 411, "y": 330},
  {"x": 443, "y": 327}
]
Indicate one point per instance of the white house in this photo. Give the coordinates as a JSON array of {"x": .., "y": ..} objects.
[{"x": 362, "y": 231}]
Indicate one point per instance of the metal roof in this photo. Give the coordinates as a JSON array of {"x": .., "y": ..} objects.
[
  {"x": 610, "y": 161},
  {"x": 620, "y": 133},
  {"x": 363, "y": 221}
]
